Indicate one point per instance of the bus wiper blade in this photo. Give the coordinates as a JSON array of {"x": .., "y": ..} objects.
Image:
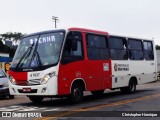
[
  {"x": 26, "y": 54},
  {"x": 38, "y": 60}
]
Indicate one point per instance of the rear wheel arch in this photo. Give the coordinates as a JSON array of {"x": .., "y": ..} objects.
[
  {"x": 132, "y": 85},
  {"x": 133, "y": 79},
  {"x": 131, "y": 88}
]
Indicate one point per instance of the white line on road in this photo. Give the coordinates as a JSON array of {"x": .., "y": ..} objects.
[
  {"x": 55, "y": 109},
  {"x": 26, "y": 108}
]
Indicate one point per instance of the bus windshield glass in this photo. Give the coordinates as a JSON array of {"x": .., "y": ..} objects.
[{"x": 38, "y": 51}]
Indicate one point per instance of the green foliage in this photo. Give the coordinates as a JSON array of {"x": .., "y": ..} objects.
[
  {"x": 14, "y": 37},
  {"x": 4, "y": 48}
]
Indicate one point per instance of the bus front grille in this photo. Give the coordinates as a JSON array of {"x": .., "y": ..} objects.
[{"x": 34, "y": 82}]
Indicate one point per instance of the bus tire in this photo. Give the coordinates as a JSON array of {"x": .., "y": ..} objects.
[
  {"x": 76, "y": 93},
  {"x": 97, "y": 92},
  {"x": 36, "y": 99},
  {"x": 124, "y": 90},
  {"x": 11, "y": 96},
  {"x": 131, "y": 88}
]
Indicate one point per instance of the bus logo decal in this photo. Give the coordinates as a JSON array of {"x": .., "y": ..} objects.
[
  {"x": 121, "y": 67},
  {"x": 115, "y": 67},
  {"x": 105, "y": 67}
]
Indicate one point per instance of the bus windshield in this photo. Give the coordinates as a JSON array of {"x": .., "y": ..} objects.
[{"x": 38, "y": 51}]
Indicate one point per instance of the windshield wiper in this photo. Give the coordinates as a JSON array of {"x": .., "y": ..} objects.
[
  {"x": 37, "y": 57},
  {"x": 35, "y": 53},
  {"x": 25, "y": 55}
]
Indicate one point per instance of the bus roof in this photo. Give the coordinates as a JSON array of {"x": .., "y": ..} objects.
[
  {"x": 131, "y": 37},
  {"x": 43, "y": 32},
  {"x": 68, "y": 29},
  {"x": 87, "y": 30}
]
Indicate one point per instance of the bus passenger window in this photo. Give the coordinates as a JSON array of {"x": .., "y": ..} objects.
[
  {"x": 148, "y": 50},
  {"x": 135, "y": 49},
  {"x": 118, "y": 48},
  {"x": 97, "y": 47}
]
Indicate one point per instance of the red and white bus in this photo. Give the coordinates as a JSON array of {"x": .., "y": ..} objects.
[{"x": 70, "y": 61}]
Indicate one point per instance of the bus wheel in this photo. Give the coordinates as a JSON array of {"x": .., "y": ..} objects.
[
  {"x": 124, "y": 89},
  {"x": 11, "y": 96},
  {"x": 76, "y": 93},
  {"x": 131, "y": 88},
  {"x": 36, "y": 99},
  {"x": 98, "y": 92}
]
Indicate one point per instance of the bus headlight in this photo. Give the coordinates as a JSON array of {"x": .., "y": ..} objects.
[
  {"x": 13, "y": 81},
  {"x": 47, "y": 77}
]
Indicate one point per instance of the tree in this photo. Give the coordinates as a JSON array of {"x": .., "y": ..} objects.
[
  {"x": 4, "y": 48},
  {"x": 14, "y": 37}
]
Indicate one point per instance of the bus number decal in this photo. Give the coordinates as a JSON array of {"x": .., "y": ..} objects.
[{"x": 34, "y": 75}]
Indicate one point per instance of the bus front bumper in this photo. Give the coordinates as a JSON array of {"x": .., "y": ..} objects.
[{"x": 48, "y": 89}]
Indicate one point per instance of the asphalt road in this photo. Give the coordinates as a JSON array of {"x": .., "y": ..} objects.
[{"x": 112, "y": 105}]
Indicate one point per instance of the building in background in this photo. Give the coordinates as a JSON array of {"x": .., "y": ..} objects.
[
  {"x": 158, "y": 64},
  {"x": 7, "y": 50},
  {"x": 5, "y": 61},
  {"x": 9, "y": 43}
]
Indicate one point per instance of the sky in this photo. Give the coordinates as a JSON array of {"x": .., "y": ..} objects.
[{"x": 136, "y": 18}]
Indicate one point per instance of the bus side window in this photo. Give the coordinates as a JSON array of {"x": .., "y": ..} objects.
[
  {"x": 135, "y": 49},
  {"x": 118, "y": 48},
  {"x": 97, "y": 47},
  {"x": 148, "y": 50},
  {"x": 73, "y": 47}
]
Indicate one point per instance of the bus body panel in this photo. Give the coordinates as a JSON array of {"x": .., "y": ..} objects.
[
  {"x": 33, "y": 78},
  {"x": 67, "y": 73},
  {"x": 96, "y": 74},
  {"x": 124, "y": 70}
]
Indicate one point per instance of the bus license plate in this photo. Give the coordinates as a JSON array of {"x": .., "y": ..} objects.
[{"x": 26, "y": 89}]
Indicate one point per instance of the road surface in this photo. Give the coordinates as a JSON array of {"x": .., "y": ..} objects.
[{"x": 112, "y": 105}]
